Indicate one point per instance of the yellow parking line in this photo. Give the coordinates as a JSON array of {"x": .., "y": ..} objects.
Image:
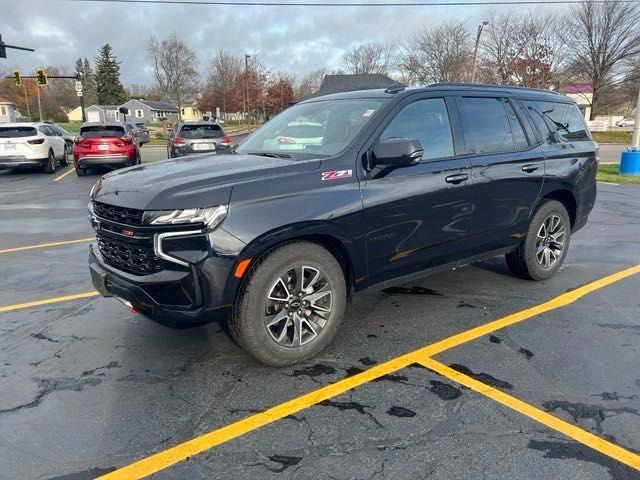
[
  {"x": 47, "y": 301},
  {"x": 171, "y": 456},
  {"x": 43, "y": 245},
  {"x": 571, "y": 431},
  {"x": 60, "y": 177}
]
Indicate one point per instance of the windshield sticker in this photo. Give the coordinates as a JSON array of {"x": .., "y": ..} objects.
[{"x": 336, "y": 174}]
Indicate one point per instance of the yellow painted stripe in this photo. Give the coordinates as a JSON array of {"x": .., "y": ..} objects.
[
  {"x": 161, "y": 460},
  {"x": 44, "y": 245},
  {"x": 571, "y": 431},
  {"x": 47, "y": 301},
  {"x": 60, "y": 177}
]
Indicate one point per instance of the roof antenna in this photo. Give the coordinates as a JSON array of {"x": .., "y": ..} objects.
[{"x": 396, "y": 88}]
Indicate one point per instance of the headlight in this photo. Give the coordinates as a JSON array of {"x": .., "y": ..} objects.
[
  {"x": 211, "y": 217},
  {"x": 94, "y": 188}
]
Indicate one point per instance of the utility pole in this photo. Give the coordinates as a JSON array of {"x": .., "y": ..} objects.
[
  {"x": 475, "y": 50},
  {"x": 39, "y": 104},
  {"x": 246, "y": 84},
  {"x": 26, "y": 101},
  {"x": 635, "y": 140}
]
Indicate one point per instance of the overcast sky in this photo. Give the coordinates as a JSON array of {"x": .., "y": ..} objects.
[{"x": 295, "y": 39}]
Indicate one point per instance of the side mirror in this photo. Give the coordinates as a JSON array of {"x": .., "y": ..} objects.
[{"x": 397, "y": 152}]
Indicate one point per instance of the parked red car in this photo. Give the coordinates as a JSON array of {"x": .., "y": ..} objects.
[{"x": 111, "y": 145}]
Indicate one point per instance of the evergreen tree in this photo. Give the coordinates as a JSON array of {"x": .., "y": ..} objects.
[
  {"x": 108, "y": 87},
  {"x": 88, "y": 79}
]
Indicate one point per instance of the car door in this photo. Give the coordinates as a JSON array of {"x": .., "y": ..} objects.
[
  {"x": 508, "y": 168},
  {"x": 55, "y": 141},
  {"x": 418, "y": 216}
]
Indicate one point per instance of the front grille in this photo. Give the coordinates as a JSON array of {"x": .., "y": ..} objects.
[
  {"x": 132, "y": 256},
  {"x": 128, "y": 216}
]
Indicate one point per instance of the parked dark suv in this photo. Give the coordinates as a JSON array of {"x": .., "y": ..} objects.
[
  {"x": 275, "y": 238},
  {"x": 189, "y": 138}
]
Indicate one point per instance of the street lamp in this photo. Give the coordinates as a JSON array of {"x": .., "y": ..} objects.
[{"x": 475, "y": 51}]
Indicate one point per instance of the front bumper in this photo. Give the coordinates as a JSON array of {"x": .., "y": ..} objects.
[{"x": 178, "y": 296}]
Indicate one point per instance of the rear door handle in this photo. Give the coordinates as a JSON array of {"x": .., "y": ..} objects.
[
  {"x": 457, "y": 178},
  {"x": 529, "y": 168}
]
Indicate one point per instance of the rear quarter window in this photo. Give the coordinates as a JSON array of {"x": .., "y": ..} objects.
[
  {"x": 101, "y": 131},
  {"x": 564, "y": 119},
  {"x": 17, "y": 132}
]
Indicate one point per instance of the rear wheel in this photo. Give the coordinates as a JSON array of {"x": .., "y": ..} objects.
[
  {"x": 81, "y": 172},
  {"x": 65, "y": 157},
  {"x": 291, "y": 306},
  {"x": 50, "y": 166},
  {"x": 545, "y": 246}
]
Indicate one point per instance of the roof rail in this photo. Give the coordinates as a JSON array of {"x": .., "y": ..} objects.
[
  {"x": 397, "y": 88},
  {"x": 490, "y": 85}
]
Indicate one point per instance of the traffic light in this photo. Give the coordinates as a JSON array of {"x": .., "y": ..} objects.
[
  {"x": 16, "y": 77},
  {"x": 41, "y": 77}
]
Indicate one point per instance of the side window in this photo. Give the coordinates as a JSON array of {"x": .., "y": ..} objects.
[
  {"x": 486, "y": 126},
  {"x": 428, "y": 121},
  {"x": 537, "y": 118},
  {"x": 47, "y": 131},
  {"x": 519, "y": 137},
  {"x": 565, "y": 119},
  {"x": 576, "y": 126}
]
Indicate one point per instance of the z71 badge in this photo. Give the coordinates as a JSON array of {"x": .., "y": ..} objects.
[{"x": 336, "y": 174}]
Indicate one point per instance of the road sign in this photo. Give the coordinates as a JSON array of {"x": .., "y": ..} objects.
[{"x": 78, "y": 86}]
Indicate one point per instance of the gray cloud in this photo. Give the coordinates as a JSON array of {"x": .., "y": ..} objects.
[{"x": 295, "y": 39}]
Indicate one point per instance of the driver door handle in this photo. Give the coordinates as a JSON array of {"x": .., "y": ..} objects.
[
  {"x": 529, "y": 168},
  {"x": 457, "y": 178}
]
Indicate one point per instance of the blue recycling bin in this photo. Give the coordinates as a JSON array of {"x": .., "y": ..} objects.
[{"x": 630, "y": 162}]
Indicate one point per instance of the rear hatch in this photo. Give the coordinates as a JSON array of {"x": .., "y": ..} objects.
[
  {"x": 15, "y": 140},
  {"x": 102, "y": 140},
  {"x": 199, "y": 137}
]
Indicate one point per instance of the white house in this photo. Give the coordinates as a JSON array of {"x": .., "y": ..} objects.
[{"x": 8, "y": 112}]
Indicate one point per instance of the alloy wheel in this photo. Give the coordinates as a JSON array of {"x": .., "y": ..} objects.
[
  {"x": 298, "y": 306},
  {"x": 550, "y": 241}
]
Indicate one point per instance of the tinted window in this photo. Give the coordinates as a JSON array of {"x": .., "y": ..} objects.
[
  {"x": 563, "y": 118},
  {"x": 47, "y": 131},
  {"x": 538, "y": 120},
  {"x": 200, "y": 131},
  {"x": 486, "y": 126},
  {"x": 16, "y": 132},
  {"x": 519, "y": 137},
  {"x": 96, "y": 131},
  {"x": 428, "y": 121}
]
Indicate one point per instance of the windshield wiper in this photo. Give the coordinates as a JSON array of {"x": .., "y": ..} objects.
[{"x": 271, "y": 154}]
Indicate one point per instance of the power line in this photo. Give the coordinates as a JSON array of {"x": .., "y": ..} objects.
[{"x": 245, "y": 3}]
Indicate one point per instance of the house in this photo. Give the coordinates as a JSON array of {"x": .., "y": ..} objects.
[
  {"x": 102, "y": 113},
  {"x": 349, "y": 83},
  {"x": 582, "y": 93},
  {"x": 8, "y": 112},
  {"x": 150, "y": 110},
  {"x": 75, "y": 115}
]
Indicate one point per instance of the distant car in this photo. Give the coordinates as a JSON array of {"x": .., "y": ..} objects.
[
  {"x": 141, "y": 132},
  {"x": 626, "y": 122},
  {"x": 296, "y": 136},
  {"x": 31, "y": 144},
  {"x": 68, "y": 136},
  {"x": 197, "y": 137},
  {"x": 110, "y": 144}
]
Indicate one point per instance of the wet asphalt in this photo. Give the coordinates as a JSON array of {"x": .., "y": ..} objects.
[{"x": 86, "y": 387}]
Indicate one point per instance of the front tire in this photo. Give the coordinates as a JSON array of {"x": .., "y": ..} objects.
[
  {"x": 291, "y": 305},
  {"x": 544, "y": 248}
]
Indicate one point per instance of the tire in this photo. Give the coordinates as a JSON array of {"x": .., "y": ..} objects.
[
  {"x": 50, "y": 166},
  {"x": 65, "y": 157},
  {"x": 81, "y": 172},
  {"x": 293, "y": 338},
  {"x": 543, "y": 250}
]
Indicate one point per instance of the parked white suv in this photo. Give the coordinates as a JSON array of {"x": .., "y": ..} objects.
[{"x": 31, "y": 144}]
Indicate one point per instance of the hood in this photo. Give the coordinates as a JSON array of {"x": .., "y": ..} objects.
[{"x": 190, "y": 182}]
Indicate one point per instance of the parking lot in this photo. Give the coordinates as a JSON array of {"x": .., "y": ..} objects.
[{"x": 467, "y": 374}]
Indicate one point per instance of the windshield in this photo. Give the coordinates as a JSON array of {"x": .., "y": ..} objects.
[
  {"x": 101, "y": 131},
  {"x": 322, "y": 128},
  {"x": 200, "y": 131}
]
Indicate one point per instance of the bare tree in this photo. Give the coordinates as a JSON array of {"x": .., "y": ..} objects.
[
  {"x": 175, "y": 69},
  {"x": 369, "y": 58},
  {"x": 498, "y": 47},
  {"x": 223, "y": 69},
  {"x": 310, "y": 83},
  {"x": 601, "y": 38},
  {"x": 441, "y": 53}
]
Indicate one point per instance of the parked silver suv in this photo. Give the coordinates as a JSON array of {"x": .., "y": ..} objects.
[{"x": 197, "y": 137}]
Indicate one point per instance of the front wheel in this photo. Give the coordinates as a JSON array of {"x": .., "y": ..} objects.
[
  {"x": 543, "y": 250},
  {"x": 291, "y": 305}
]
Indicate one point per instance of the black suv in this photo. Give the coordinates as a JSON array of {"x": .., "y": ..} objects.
[{"x": 276, "y": 236}]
